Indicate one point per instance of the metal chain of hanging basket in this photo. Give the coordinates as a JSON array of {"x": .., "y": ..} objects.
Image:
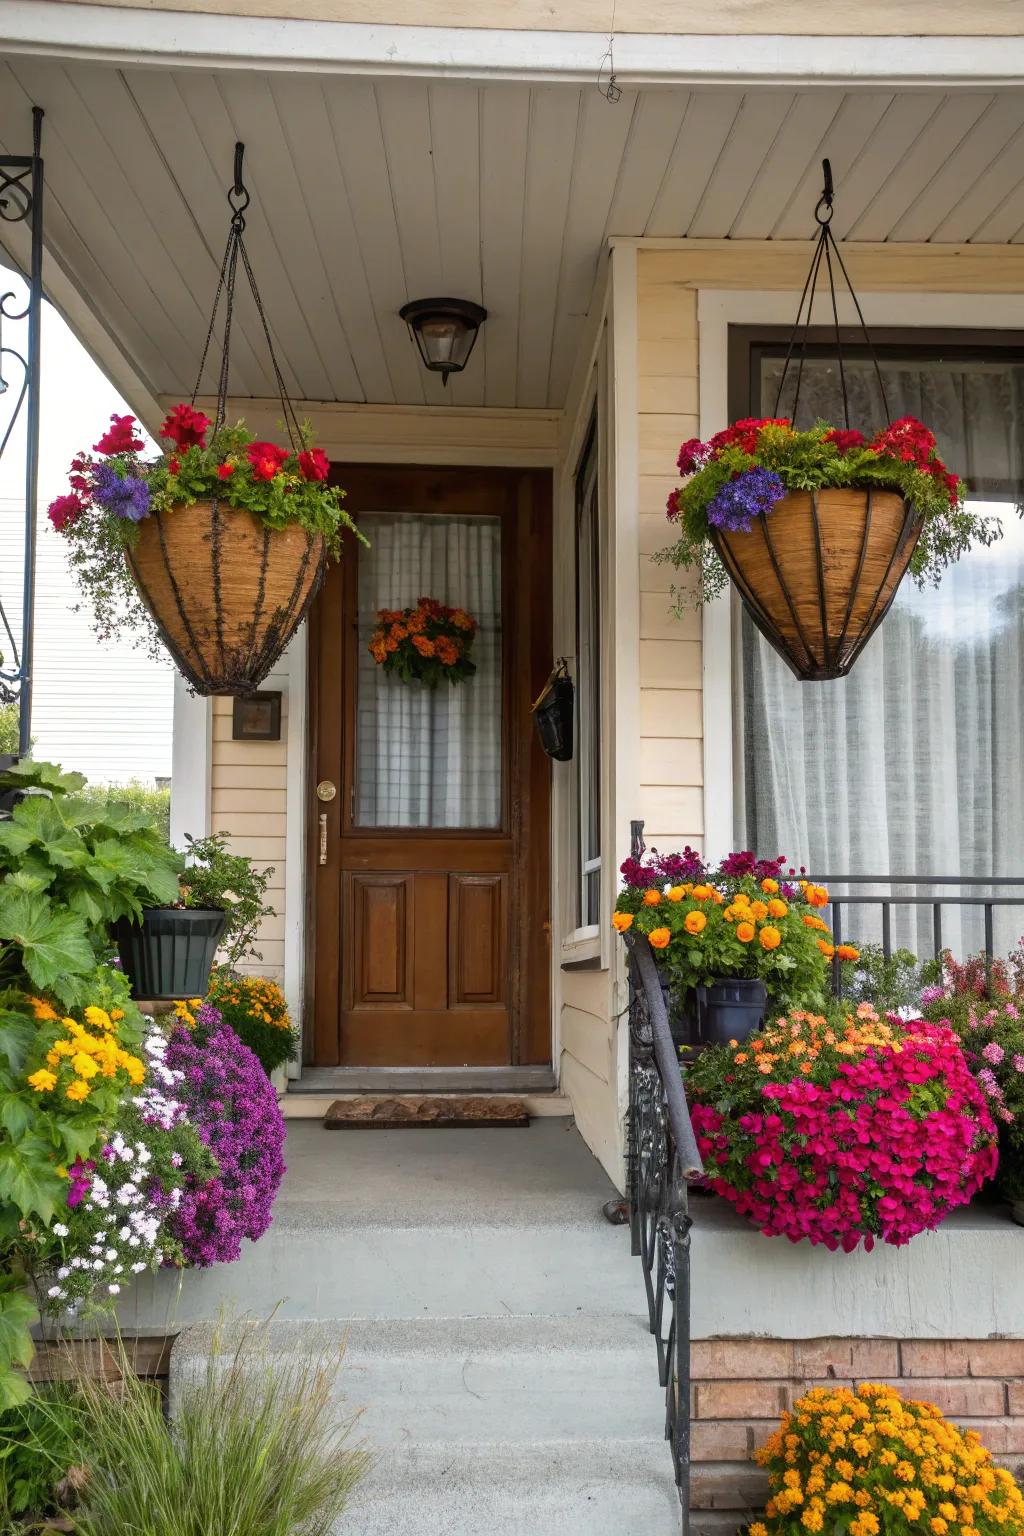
[
  {"x": 226, "y": 591},
  {"x": 820, "y": 573}
]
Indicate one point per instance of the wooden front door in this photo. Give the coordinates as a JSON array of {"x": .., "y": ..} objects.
[{"x": 432, "y": 858}]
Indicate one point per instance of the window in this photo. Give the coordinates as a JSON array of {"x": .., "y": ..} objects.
[
  {"x": 587, "y": 749},
  {"x": 912, "y": 764}
]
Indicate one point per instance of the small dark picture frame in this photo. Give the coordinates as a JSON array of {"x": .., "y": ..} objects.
[{"x": 256, "y": 717}]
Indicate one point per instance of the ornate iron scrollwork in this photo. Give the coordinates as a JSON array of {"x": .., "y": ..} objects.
[{"x": 21, "y": 202}]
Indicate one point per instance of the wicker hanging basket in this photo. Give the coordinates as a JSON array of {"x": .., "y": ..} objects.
[
  {"x": 225, "y": 591},
  {"x": 818, "y": 573}
]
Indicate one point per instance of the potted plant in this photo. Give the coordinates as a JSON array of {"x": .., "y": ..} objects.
[
  {"x": 168, "y": 951},
  {"x": 843, "y": 1129},
  {"x": 731, "y": 942},
  {"x": 223, "y": 538},
  {"x": 817, "y": 529},
  {"x": 428, "y": 644},
  {"x": 255, "y": 1008}
]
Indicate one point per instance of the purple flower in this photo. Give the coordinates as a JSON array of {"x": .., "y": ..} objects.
[
  {"x": 993, "y": 1052},
  {"x": 124, "y": 495},
  {"x": 931, "y": 995},
  {"x": 748, "y": 495},
  {"x": 233, "y": 1106},
  {"x": 639, "y": 875},
  {"x": 680, "y": 867},
  {"x": 1018, "y": 1063}
]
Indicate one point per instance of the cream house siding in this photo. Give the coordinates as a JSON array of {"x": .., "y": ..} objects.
[
  {"x": 249, "y": 801},
  {"x": 671, "y": 758},
  {"x": 823, "y": 18}
]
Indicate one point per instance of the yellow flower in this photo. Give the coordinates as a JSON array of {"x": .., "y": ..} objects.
[
  {"x": 77, "y": 1091},
  {"x": 621, "y": 921},
  {"x": 42, "y": 1010},
  {"x": 777, "y": 907},
  {"x": 659, "y": 938},
  {"x": 865, "y": 1524},
  {"x": 759, "y": 910},
  {"x": 116, "y": 1015},
  {"x": 42, "y": 1081},
  {"x": 676, "y": 892},
  {"x": 97, "y": 1017},
  {"x": 695, "y": 922},
  {"x": 771, "y": 938},
  {"x": 770, "y": 887},
  {"x": 758, "y": 1529},
  {"x": 84, "y": 1065},
  {"x": 63, "y": 1048}
]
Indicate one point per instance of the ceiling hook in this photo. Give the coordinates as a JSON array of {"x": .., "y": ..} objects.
[
  {"x": 238, "y": 195},
  {"x": 823, "y": 211}
]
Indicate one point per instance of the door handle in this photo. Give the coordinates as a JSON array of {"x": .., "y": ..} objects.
[{"x": 323, "y": 837}]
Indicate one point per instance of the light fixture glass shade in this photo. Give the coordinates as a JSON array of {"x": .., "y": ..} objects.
[{"x": 445, "y": 332}]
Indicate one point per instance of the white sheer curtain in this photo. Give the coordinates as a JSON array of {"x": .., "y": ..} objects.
[
  {"x": 430, "y": 757},
  {"x": 913, "y": 764}
]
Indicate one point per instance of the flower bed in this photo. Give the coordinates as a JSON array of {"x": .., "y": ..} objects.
[
  {"x": 842, "y": 1132},
  {"x": 255, "y": 1009},
  {"x": 868, "y": 1461}
]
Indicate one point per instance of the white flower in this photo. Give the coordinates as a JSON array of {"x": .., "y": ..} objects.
[
  {"x": 133, "y": 1241},
  {"x": 139, "y": 1267},
  {"x": 54, "y": 1292},
  {"x": 59, "y": 1229},
  {"x": 124, "y": 1233},
  {"x": 110, "y": 1255},
  {"x": 98, "y": 1264},
  {"x": 115, "y": 1290},
  {"x": 63, "y": 1272}
]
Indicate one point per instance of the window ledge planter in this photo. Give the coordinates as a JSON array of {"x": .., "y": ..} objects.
[{"x": 170, "y": 954}]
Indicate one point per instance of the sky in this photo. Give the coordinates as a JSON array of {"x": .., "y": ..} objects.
[{"x": 99, "y": 707}]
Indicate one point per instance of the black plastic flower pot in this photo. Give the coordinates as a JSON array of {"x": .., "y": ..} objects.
[
  {"x": 170, "y": 954},
  {"x": 714, "y": 1015}
]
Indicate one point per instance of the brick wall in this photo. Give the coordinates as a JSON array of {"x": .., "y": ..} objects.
[{"x": 741, "y": 1386}]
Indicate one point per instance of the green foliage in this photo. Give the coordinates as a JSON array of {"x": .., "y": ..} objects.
[
  {"x": 255, "y": 1447},
  {"x": 805, "y": 461},
  {"x": 69, "y": 868},
  {"x": 10, "y": 729},
  {"x": 888, "y": 985},
  {"x": 213, "y": 877},
  {"x": 138, "y": 796},
  {"x": 39, "y": 1447},
  {"x": 256, "y": 1010}
]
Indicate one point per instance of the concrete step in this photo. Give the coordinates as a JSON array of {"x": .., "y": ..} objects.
[
  {"x": 470, "y": 1381},
  {"x": 621, "y": 1487}
]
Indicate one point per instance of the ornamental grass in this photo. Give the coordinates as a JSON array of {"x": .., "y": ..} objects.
[
  {"x": 842, "y": 1131},
  {"x": 254, "y": 1447},
  {"x": 871, "y": 1463}
]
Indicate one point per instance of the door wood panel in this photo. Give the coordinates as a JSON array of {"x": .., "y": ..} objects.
[{"x": 431, "y": 944}]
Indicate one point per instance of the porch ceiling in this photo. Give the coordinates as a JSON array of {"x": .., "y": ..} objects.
[{"x": 368, "y": 192}]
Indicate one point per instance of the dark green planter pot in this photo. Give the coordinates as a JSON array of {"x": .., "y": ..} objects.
[
  {"x": 714, "y": 1015},
  {"x": 170, "y": 954}
]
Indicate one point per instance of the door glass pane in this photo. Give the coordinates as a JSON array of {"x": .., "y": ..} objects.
[{"x": 430, "y": 757}]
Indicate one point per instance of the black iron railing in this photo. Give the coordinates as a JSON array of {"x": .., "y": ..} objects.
[
  {"x": 921, "y": 895},
  {"x": 663, "y": 1156}
]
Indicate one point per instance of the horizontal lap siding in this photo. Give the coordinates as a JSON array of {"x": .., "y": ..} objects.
[
  {"x": 671, "y": 724},
  {"x": 249, "y": 803}
]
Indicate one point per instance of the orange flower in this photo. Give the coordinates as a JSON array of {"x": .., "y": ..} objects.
[
  {"x": 777, "y": 907},
  {"x": 462, "y": 620},
  {"x": 745, "y": 932},
  {"x": 740, "y": 1058},
  {"x": 827, "y": 949},
  {"x": 695, "y": 922},
  {"x": 621, "y": 921},
  {"x": 702, "y": 893},
  {"x": 770, "y": 887},
  {"x": 390, "y": 645},
  {"x": 771, "y": 938},
  {"x": 652, "y": 897},
  {"x": 810, "y": 921},
  {"x": 848, "y": 952},
  {"x": 447, "y": 650},
  {"x": 817, "y": 895},
  {"x": 660, "y": 938},
  {"x": 759, "y": 910},
  {"x": 416, "y": 622},
  {"x": 398, "y": 631},
  {"x": 423, "y": 645},
  {"x": 676, "y": 893}
]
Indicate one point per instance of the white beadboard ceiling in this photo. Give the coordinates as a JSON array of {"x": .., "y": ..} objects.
[{"x": 368, "y": 192}]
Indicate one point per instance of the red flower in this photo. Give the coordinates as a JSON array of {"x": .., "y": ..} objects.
[
  {"x": 743, "y": 434},
  {"x": 225, "y": 471},
  {"x": 118, "y": 438},
  {"x": 845, "y": 440},
  {"x": 672, "y": 506},
  {"x": 266, "y": 459},
  {"x": 186, "y": 427},
  {"x": 314, "y": 464},
  {"x": 691, "y": 456},
  {"x": 173, "y": 466},
  {"x": 906, "y": 439},
  {"x": 65, "y": 511}
]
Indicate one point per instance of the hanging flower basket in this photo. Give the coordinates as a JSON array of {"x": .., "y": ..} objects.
[
  {"x": 817, "y": 577},
  {"x": 817, "y": 528},
  {"x": 222, "y": 539}
]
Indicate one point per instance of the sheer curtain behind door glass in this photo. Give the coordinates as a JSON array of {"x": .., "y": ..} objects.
[
  {"x": 430, "y": 757},
  {"x": 912, "y": 764}
]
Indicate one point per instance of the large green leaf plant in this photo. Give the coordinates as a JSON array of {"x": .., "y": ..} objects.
[{"x": 69, "y": 868}]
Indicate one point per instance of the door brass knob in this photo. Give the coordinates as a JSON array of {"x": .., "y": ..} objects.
[{"x": 325, "y": 790}]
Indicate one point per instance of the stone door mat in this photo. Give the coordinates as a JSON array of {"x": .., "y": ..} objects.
[{"x": 413, "y": 1111}]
